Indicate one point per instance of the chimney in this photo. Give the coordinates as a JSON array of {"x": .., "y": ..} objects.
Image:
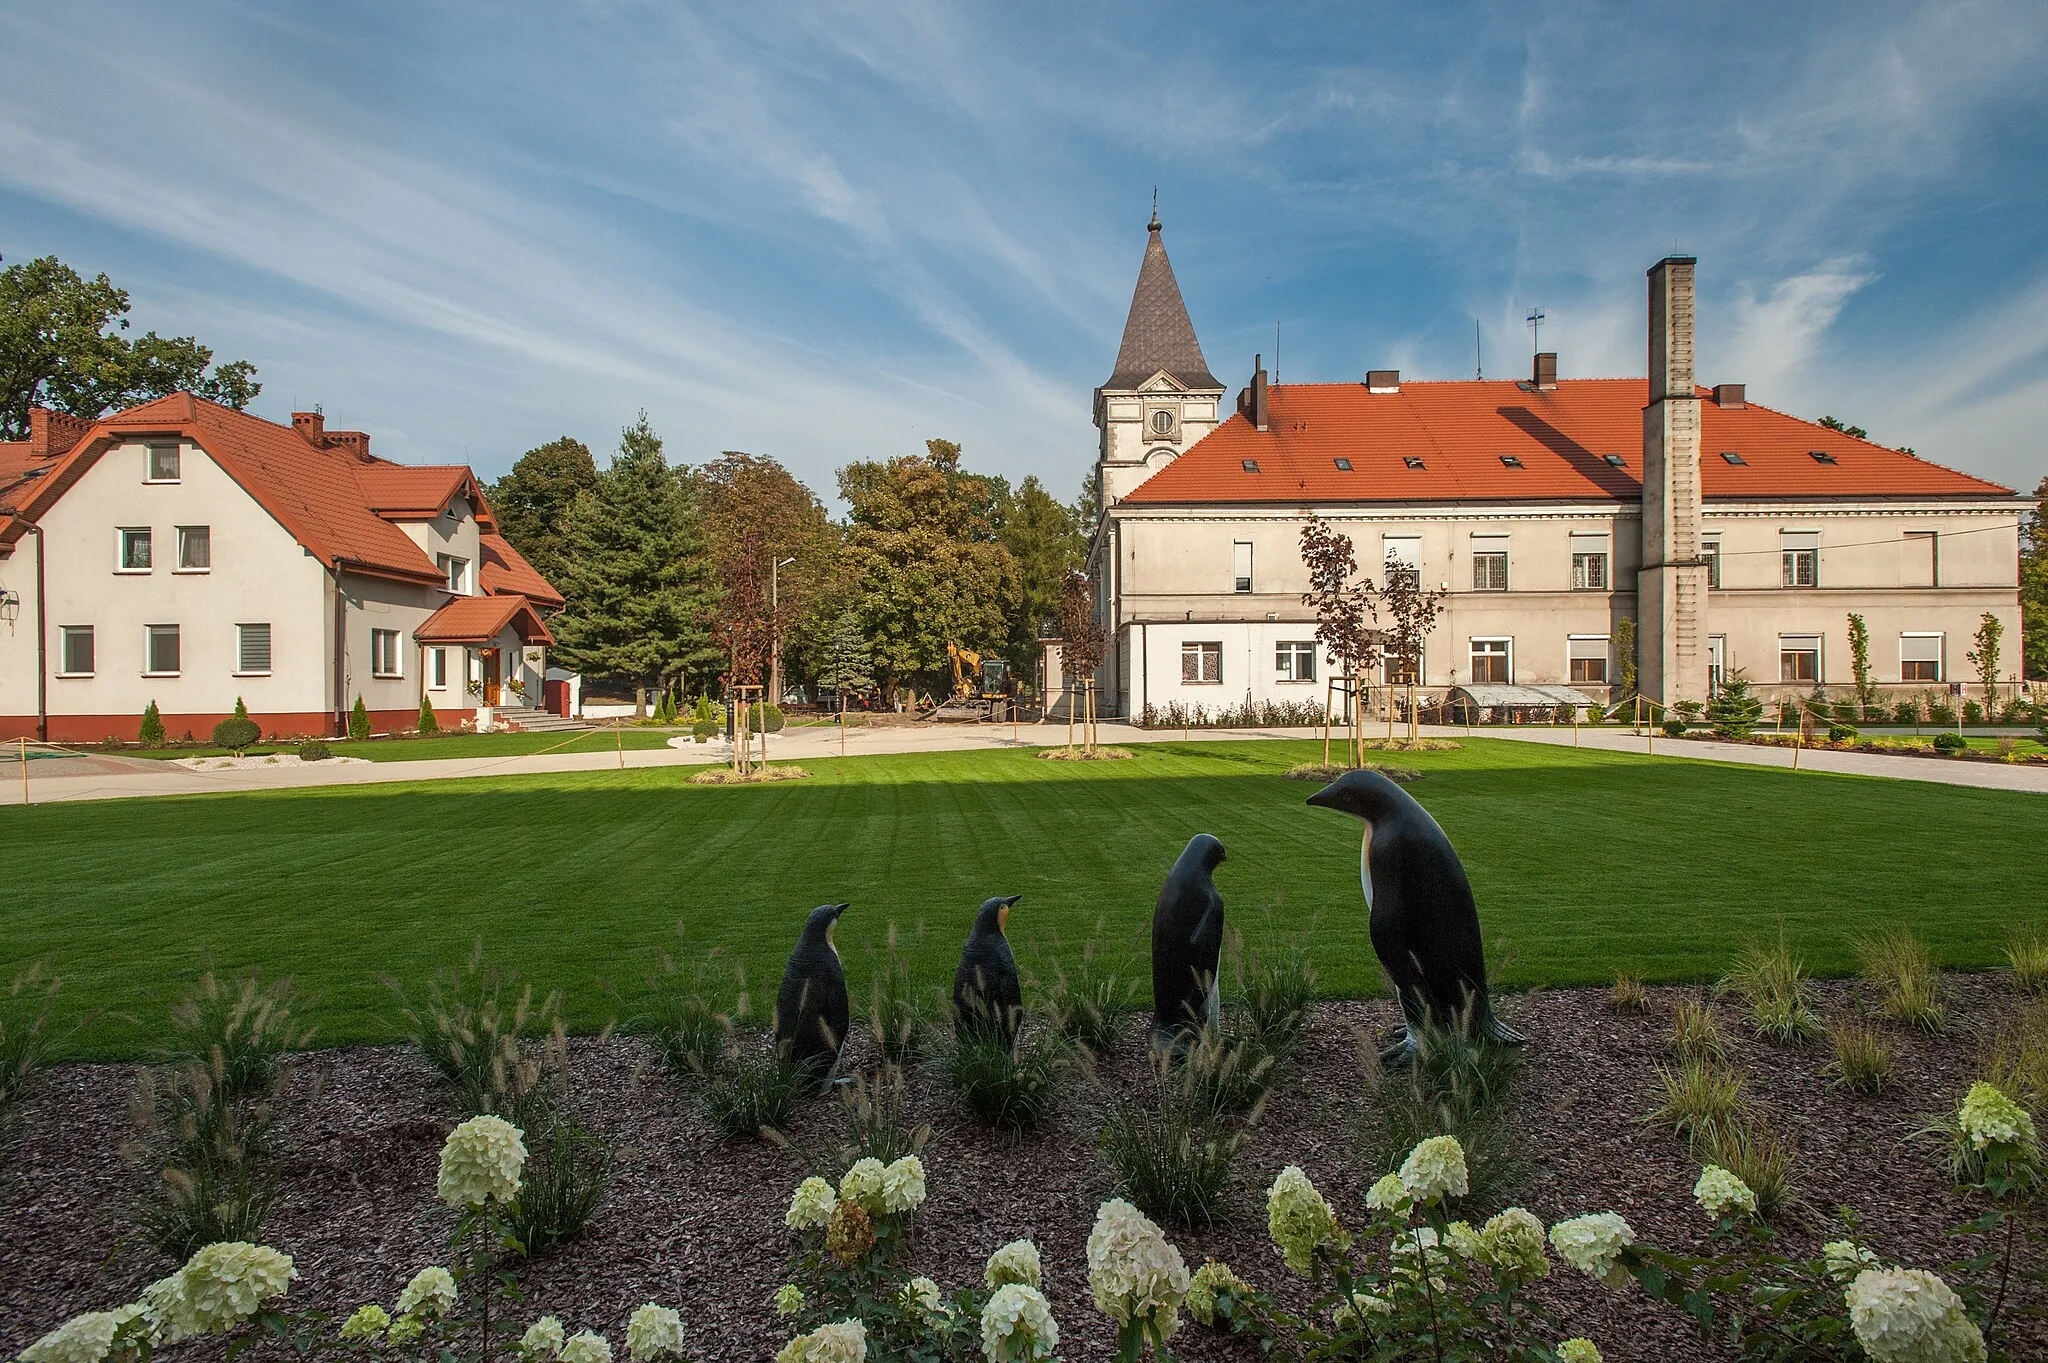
[
  {"x": 1545, "y": 377},
  {"x": 1251, "y": 400},
  {"x": 53, "y": 433},
  {"x": 1671, "y": 587},
  {"x": 1382, "y": 380},
  {"x": 1729, "y": 395},
  {"x": 355, "y": 442},
  {"x": 312, "y": 426}
]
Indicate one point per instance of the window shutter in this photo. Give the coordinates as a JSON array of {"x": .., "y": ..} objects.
[{"x": 255, "y": 648}]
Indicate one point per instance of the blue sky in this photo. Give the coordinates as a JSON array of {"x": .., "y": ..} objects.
[{"x": 828, "y": 231}]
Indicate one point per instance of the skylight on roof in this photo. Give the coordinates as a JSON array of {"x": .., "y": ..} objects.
[
  {"x": 1732, "y": 457},
  {"x": 1413, "y": 461},
  {"x": 1343, "y": 465},
  {"x": 1615, "y": 460},
  {"x": 1251, "y": 466},
  {"x": 1513, "y": 461},
  {"x": 1821, "y": 456}
]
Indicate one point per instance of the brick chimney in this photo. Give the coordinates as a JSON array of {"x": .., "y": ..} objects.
[
  {"x": 355, "y": 442},
  {"x": 1251, "y": 400},
  {"x": 1671, "y": 587},
  {"x": 53, "y": 433},
  {"x": 1545, "y": 377},
  {"x": 313, "y": 427}
]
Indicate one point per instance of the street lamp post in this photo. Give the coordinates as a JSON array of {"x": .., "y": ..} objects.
[{"x": 775, "y": 629}]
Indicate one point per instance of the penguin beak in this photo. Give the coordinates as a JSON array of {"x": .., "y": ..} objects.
[
  {"x": 1327, "y": 798},
  {"x": 1003, "y": 914}
]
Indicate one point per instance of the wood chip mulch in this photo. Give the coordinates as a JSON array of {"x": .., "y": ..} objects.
[{"x": 695, "y": 1221}]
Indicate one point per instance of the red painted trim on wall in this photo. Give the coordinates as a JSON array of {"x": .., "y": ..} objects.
[{"x": 128, "y": 728}]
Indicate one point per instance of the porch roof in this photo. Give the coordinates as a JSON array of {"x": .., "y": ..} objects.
[
  {"x": 1513, "y": 697},
  {"x": 480, "y": 619}
]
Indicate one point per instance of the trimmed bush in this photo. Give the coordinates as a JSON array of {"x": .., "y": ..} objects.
[
  {"x": 704, "y": 730},
  {"x": 315, "y": 751},
  {"x": 1674, "y": 727},
  {"x": 428, "y": 723},
  {"x": 1842, "y": 733},
  {"x": 764, "y": 717},
  {"x": 1906, "y": 712},
  {"x": 359, "y": 721},
  {"x": 1949, "y": 741},
  {"x": 152, "y": 727},
  {"x": 236, "y": 732}
]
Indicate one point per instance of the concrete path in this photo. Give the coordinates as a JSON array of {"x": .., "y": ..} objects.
[{"x": 94, "y": 776}]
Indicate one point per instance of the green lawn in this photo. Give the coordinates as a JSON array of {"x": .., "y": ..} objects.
[
  {"x": 447, "y": 745},
  {"x": 1584, "y": 862}
]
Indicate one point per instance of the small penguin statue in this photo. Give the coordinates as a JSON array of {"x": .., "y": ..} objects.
[
  {"x": 1419, "y": 910},
  {"x": 987, "y": 999},
  {"x": 811, "y": 1009},
  {"x": 1187, "y": 946}
]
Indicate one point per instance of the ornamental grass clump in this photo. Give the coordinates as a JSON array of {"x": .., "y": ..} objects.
[
  {"x": 2026, "y": 955},
  {"x": 1694, "y": 1033},
  {"x": 1863, "y": 1056},
  {"x": 1010, "y": 1088},
  {"x": 687, "y": 1022},
  {"x": 755, "y": 1090},
  {"x": 897, "y": 1012},
  {"x": 1759, "y": 1156},
  {"x": 1700, "y": 1097},
  {"x": 1274, "y": 991},
  {"x": 1771, "y": 982},
  {"x": 1174, "y": 1150},
  {"x": 25, "y": 1037},
  {"x": 470, "y": 1025},
  {"x": 1458, "y": 1086},
  {"x": 1628, "y": 994},
  {"x": 1908, "y": 982},
  {"x": 1086, "y": 1004},
  {"x": 872, "y": 1108},
  {"x": 1230, "y": 1071}
]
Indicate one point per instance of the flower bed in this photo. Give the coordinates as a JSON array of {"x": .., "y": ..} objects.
[{"x": 698, "y": 1222}]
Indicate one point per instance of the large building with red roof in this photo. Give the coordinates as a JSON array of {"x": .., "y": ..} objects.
[
  {"x": 1730, "y": 536},
  {"x": 190, "y": 555}
]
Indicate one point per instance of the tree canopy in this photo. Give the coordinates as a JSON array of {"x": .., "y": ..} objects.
[
  {"x": 61, "y": 347},
  {"x": 2034, "y": 588},
  {"x": 756, "y": 514},
  {"x": 1047, "y": 541},
  {"x": 533, "y": 501}
]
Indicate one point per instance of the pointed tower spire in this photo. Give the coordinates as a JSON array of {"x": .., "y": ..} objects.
[{"x": 1157, "y": 334}]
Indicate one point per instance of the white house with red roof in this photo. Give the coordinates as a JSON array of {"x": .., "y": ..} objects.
[
  {"x": 190, "y": 555},
  {"x": 1548, "y": 510}
]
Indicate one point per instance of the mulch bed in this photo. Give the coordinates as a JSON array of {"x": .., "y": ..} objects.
[{"x": 695, "y": 1221}]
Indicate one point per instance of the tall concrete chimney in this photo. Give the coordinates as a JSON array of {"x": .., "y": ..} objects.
[{"x": 1671, "y": 587}]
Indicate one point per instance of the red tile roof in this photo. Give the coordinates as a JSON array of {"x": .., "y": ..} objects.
[
  {"x": 478, "y": 620},
  {"x": 15, "y": 460},
  {"x": 505, "y": 569},
  {"x": 337, "y": 502},
  {"x": 1459, "y": 431}
]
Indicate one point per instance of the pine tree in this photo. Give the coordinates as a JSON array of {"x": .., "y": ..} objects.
[
  {"x": 429, "y": 723},
  {"x": 1734, "y": 712},
  {"x": 359, "y": 721},
  {"x": 152, "y": 734},
  {"x": 849, "y": 663},
  {"x": 241, "y": 710}
]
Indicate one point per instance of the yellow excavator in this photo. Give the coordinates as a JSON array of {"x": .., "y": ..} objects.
[{"x": 979, "y": 686}]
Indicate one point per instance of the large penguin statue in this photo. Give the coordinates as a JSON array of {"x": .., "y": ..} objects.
[
  {"x": 811, "y": 1010},
  {"x": 1419, "y": 910},
  {"x": 1187, "y": 945},
  {"x": 987, "y": 999}
]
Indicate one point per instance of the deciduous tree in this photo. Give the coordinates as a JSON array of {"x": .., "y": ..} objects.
[
  {"x": 756, "y": 513},
  {"x": 533, "y": 501},
  {"x": 1346, "y": 619},
  {"x": 61, "y": 346},
  {"x": 1984, "y": 657},
  {"x": 1082, "y": 647},
  {"x": 1046, "y": 539},
  {"x": 2034, "y": 588}
]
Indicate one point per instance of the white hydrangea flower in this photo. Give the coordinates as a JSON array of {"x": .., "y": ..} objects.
[
  {"x": 862, "y": 1184},
  {"x": 1436, "y": 1169},
  {"x": 1464, "y": 1240},
  {"x": 654, "y": 1332},
  {"x": 225, "y": 1284},
  {"x": 481, "y": 1162},
  {"x": 903, "y": 1185},
  {"x": 586, "y": 1346},
  {"x": 922, "y": 1294},
  {"x": 1212, "y": 1277},
  {"x": 843, "y": 1341},
  {"x": 430, "y": 1293},
  {"x": 1134, "y": 1273},
  {"x": 1845, "y": 1259},
  {"x": 1016, "y": 1262},
  {"x": 1721, "y": 1193},
  {"x": 1990, "y": 1118},
  {"x": 165, "y": 1310},
  {"x": 1390, "y": 1194},
  {"x": 1417, "y": 1250},
  {"x": 1300, "y": 1221},
  {"x": 1512, "y": 1242},
  {"x": 1593, "y": 1245},
  {"x": 82, "y": 1339},
  {"x": 811, "y": 1207},
  {"x": 366, "y": 1322},
  {"x": 544, "y": 1338},
  {"x": 1017, "y": 1326},
  {"x": 789, "y": 1299},
  {"x": 1907, "y": 1315},
  {"x": 1361, "y": 1304},
  {"x": 1580, "y": 1350}
]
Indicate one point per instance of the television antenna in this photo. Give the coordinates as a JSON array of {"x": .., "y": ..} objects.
[
  {"x": 1478, "y": 356},
  {"x": 1535, "y": 323}
]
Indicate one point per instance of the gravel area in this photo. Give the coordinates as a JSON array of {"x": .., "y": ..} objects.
[{"x": 695, "y": 1221}]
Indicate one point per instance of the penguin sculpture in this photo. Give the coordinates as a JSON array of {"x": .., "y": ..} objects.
[
  {"x": 811, "y": 1010},
  {"x": 1187, "y": 945},
  {"x": 1419, "y": 910},
  {"x": 987, "y": 999}
]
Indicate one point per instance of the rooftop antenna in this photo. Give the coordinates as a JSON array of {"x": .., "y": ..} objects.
[
  {"x": 1536, "y": 328},
  {"x": 1276, "y": 352},
  {"x": 1478, "y": 357}
]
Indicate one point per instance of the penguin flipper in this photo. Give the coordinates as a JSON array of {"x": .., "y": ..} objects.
[{"x": 1498, "y": 1032}]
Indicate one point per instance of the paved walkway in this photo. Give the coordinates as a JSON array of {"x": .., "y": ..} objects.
[{"x": 94, "y": 776}]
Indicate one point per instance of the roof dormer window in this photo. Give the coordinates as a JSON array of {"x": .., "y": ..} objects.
[
  {"x": 1251, "y": 466},
  {"x": 1343, "y": 465},
  {"x": 1413, "y": 461},
  {"x": 1513, "y": 461},
  {"x": 1732, "y": 457},
  {"x": 1615, "y": 460},
  {"x": 1821, "y": 456}
]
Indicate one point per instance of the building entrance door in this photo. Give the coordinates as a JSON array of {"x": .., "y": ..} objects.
[{"x": 491, "y": 676}]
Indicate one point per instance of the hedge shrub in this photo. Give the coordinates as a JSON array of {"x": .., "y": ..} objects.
[{"x": 772, "y": 723}]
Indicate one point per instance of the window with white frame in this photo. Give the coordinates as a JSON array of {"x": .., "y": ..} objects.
[
  {"x": 1589, "y": 563},
  {"x": 1489, "y": 563},
  {"x": 134, "y": 550},
  {"x": 437, "y": 669},
  {"x": 252, "y": 650},
  {"x": 384, "y": 656},
  {"x": 1401, "y": 554},
  {"x": 195, "y": 548},
  {"x": 1710, "y": 550},
  {"x": 74, "y": 651},
  {"x": 1800, "y": 550},
  {"x": 160, "y": 650},
  {"x": 456, "y": 570},
  {"x": 1201, "y": 663},
  {"x": 1799, "y": 658},
  {"x": 1920, "y": 657},
  {"x": 1241, "y": 566},
  {"x": 1295, "y": 660},
  {"x": 1587, "y": 656},
  {"x": 1490, "y": 662},
  {"x": 163, "y": 464}
]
